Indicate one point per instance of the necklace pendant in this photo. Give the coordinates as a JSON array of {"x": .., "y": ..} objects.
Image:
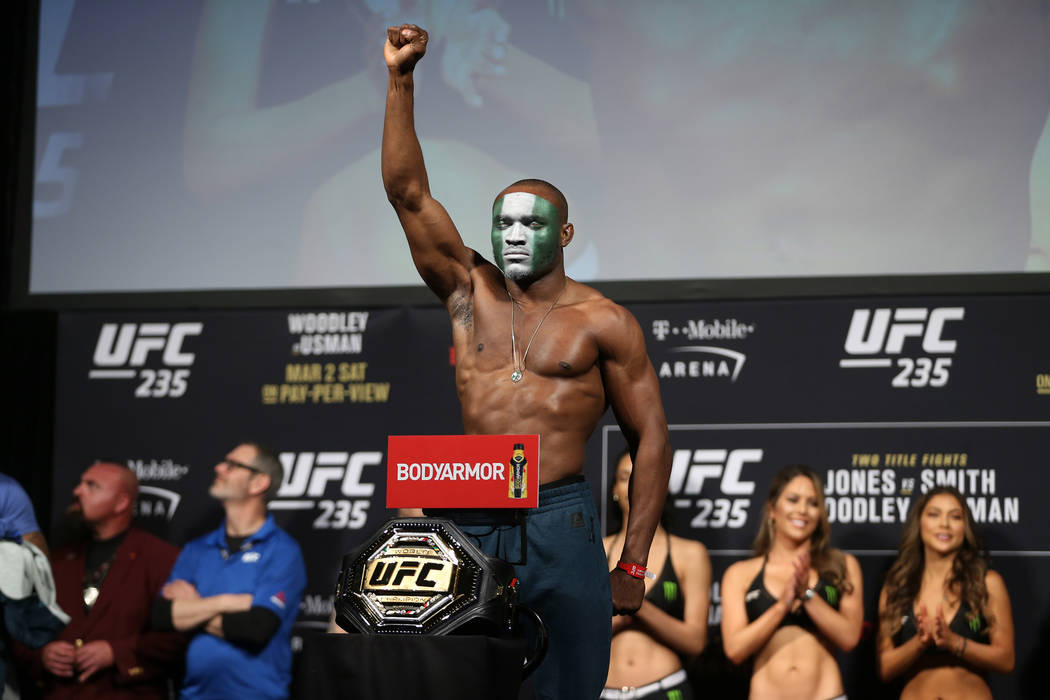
[
  {"x": 90, "y": 596},
  {"x": 515, "y": 376}
]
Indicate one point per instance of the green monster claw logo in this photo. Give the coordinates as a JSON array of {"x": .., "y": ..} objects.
[
  {"x": 832, "y": 594},
  {"x": 670, "y": 591},
  {"x": 674, "y": 695},
  {"x": 975, "y": 622}
]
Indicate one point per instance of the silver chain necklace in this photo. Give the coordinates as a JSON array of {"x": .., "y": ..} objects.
[{"x": 519, "y": 371}]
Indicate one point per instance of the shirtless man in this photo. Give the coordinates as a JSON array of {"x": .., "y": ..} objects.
[{"x": 537, "y": 353}]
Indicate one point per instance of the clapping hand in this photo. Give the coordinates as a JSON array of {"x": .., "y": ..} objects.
[
  {"x": 924, "y": 625},
  {"x": 943, "y": 637},
  {"x": 798, "y": 582}
]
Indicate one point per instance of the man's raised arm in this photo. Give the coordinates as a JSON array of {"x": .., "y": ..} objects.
[{"x": 437, "y": 249}]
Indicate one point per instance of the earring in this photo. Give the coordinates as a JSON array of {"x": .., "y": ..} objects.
[{"x": 616, "y": 497}]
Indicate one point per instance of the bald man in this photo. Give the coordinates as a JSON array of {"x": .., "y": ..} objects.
[
  {"x": 537, "y": 353},
  {"x": 107, "y": 585}
]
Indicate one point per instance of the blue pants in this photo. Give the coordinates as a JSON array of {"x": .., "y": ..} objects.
[{"x": 565, "y": 580}]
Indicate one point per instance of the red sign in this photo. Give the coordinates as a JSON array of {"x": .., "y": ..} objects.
[{"x": 463, "y": 471}]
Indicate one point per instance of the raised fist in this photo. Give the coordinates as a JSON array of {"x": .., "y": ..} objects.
[{"x": 405, "y": 45}]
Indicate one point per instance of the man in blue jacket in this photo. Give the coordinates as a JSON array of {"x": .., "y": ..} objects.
[{"x": 238, "y": 588}]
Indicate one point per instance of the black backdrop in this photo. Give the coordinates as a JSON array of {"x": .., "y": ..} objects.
[{"x": 882, "y": 396}]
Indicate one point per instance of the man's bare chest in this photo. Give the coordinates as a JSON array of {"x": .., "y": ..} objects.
[{"x": 558, "y": 344}]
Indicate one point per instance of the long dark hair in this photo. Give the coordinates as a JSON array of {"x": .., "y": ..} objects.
[
  {"x": 829, "y": 563},
  {"x": 968, "y": 569},
  {"x": 614, "y": 517}
]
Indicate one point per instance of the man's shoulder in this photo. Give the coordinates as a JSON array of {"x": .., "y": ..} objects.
[
  {"x": 12, "y": 494},
  {"x": 604, "y": 317},
  {"x": 68, "y": 550},
  {"x": 283, "y": 550},
  {"x": 280, "y": 537},
  {"x": 589, "y": 301},
  {"x": 8, "y": 482},
  {"x": 289, "y": 542},
  {"x": 201, "y": 542},
  {"x": 149, "y": 543}
]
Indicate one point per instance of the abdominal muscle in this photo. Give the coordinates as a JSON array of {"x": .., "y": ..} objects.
[
  {"x": 946, "y": 682},
  {"x": 563, "y": 411},
  {"x": 795, "y": 664},
  {"x": 637, "y": 659}
]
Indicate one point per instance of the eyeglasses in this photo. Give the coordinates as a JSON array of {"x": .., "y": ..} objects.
[{"x": 234, "y": 463}]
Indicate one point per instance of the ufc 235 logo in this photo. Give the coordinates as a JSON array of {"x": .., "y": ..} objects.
[
  {"x": 307, "y": 476},
  {"x": 690, "y": 469},
  {"x": 916, "y": 335},
  {"x": 123, "y": 350}
]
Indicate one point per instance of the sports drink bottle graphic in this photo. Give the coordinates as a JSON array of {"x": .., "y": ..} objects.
[{"x": 518, "y": 482}]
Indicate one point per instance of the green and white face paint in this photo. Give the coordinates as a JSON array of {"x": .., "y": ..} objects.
[{"x": 525, "y": 235}]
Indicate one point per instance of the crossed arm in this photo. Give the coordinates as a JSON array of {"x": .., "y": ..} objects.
[
  {"x": 228, "y": 616},
  {"x": 189, "y": 610}
]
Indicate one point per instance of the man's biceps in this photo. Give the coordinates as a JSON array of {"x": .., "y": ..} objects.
[{"x": 629, "y": 381}]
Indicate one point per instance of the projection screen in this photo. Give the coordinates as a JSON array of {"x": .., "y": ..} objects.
[{"x": 235, "y": 144}]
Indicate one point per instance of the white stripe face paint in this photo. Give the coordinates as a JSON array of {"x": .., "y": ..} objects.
[{"x": 525, "y": 235}]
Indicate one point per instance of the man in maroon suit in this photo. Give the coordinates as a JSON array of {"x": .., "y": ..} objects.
[{"x": 107, "y": 585}]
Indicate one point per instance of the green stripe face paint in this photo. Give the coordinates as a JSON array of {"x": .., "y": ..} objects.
[{"x": 525, "y": 235}]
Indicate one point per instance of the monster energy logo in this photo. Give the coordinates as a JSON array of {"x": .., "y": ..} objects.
[
  {"x": 670, "y": 591},
  {"x": 674, "y": 694},
  {"x": 975, "y": 622},
  {"x": 832, "y": 594}
]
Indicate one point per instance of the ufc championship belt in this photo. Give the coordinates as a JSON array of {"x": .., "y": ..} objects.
[{"x": 425, "y": 576}]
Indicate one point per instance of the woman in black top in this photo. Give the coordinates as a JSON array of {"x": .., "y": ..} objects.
[
  {"x": 647, "y": 647},
  {"x": 797, "y": 600},
  {"x": 944, "y": 616}
]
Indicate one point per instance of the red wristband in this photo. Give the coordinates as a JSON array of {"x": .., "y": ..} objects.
[{"x": 636, "y": 570}]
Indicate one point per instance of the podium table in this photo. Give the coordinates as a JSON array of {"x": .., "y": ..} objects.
[{"x": 409, "y": 667}]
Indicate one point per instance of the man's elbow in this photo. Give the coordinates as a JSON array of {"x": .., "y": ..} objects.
[
  {"x": 404, "y": 195},
  {"x": 161, "y": 618},
  {"x": 251, "y": 629}
]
